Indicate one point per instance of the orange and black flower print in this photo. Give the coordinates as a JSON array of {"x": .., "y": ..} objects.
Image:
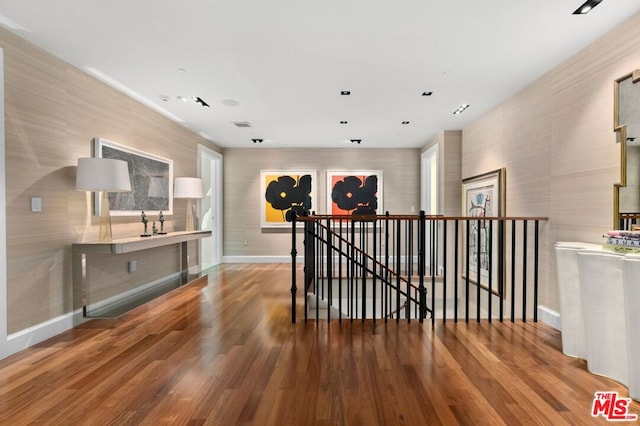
[{"x": 356, "y": 194}]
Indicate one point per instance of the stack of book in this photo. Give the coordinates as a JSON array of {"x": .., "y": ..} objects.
[{"x": 623, "y": 241}]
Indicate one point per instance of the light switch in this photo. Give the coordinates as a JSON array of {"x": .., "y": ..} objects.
[{"x": 36, "y": 204}]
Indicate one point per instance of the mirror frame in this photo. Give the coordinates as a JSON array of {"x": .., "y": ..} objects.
[{"x": 621, "y": 135}]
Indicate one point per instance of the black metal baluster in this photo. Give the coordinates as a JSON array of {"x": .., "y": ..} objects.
[
  {"x": 513, "y": 270},
  {"x": 478, "y": 268},
  {"x": 330, "y": 236},
  {"x": 524, "y": 270},
  {"x": 364, "y": 249},
  {"x": 398, "y": 266},
  {"x": 490, "y": 268},
  {"x": 501, "y": 262},
  {"x": 466, "y": 290},
  {"x": 340, "y": 272},
  {"x": 535, "y": 274},
  {"x": 294, "y": 253},
  {"x": 319, "y": 268},
  {"x": 374, "y": 267},
  {"x": 352, "y": 261},
  {"x": 456, "y": 244},
  {"x": 444, "y": 277},
  {"x": 387, "y": 281}
]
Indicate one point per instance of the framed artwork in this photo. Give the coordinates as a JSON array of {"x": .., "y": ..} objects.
[
  {"x": 151, "y": 181},
  {"x": 484, "y": 196},
  {"x": 282, "y": 191},
  {"x": 354, "y": 192}
]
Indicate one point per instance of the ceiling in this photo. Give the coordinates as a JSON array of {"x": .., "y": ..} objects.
[{"x": 281, "y": 64}]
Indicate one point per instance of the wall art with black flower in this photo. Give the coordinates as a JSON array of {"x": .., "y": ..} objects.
[
  {"x": 354, "y": 192},
  {"x": 282, "y": 191}
]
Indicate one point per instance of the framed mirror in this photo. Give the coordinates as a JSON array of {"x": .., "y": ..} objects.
[{"x": 626, "y": 124}]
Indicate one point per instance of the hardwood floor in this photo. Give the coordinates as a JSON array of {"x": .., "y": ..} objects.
[{"x": 228, "y": 354}]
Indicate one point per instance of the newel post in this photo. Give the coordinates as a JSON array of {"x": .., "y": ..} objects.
[
  {"x": 294, "y": 254},
  {"x": 422, "y": 237}
]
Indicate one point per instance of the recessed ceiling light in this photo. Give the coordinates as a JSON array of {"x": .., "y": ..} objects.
[
  {"x": 230, "y": 102},
  {"x": 461, "y": 109},
  {"x": 242, "y": 124},
  {"x": 164, "y": 98},
  {"x": 182, "y": 70},
  {"x": 586, "y": 7},
  {"x": 343, "y": 122},
  {"x": 358, "y": 141},
  {"x": 257, "y": 140},
  {"x": 182, "y": 98},
  {"x": 427, "y": 93},
  {"x": 345, "y": 92},
  {"x": 199, "y": 101},
  {"x": 405, "y": 122}
]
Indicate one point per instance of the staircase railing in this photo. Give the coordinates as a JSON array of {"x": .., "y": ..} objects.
[{"x": 383, "y": 267}]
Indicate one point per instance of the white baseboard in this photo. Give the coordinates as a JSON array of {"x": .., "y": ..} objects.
[
  {"x": 40, "y": 332},
  {"x": 285, "y": 259},
  {"x": 33, "y": 335},
  {"x": 260, "y": 259},
  {"x": 549, "y": 317},
  {"x": 131, "y": 293}
]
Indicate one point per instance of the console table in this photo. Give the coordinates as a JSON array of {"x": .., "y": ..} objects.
[
  {"x": 126, "y": 245},
  {"x": 599, "y": 297}
]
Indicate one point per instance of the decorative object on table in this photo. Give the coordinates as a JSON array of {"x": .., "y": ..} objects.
[
  {"x": 189, "y": 188},
  {"x": 285, "y": 191},
  {"x": 484, "y": 196},
  {"x": 154, "y": 230},
  {"x": 104, "y": 175},
  {"x": 354, "y": 192},
  {"x": 144, "y": 220},
  {"x": 161, "y": 220},
  {"x": 151, "y": 179}
]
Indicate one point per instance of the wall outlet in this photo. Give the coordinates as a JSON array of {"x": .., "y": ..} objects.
[
  {"x": 245, "y": 243},
  {"x": 133, "y": 266}
]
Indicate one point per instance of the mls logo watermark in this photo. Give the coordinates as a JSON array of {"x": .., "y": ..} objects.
[{"x": 612, "y": 407}]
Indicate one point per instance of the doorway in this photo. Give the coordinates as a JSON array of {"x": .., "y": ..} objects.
[
  {"x": 210, "y": 207},
  {"x": 430, "y": 181}
]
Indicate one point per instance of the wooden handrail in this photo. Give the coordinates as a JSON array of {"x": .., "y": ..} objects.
[{"x": 368, "y": 218}]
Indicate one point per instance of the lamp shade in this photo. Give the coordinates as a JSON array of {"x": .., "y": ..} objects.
[
  {"x": 187, "y": 187},
  {"x": 102, "y": 174}
]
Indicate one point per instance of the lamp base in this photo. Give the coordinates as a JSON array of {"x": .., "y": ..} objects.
[
  {"x": 189, "y": 225},
  {"x": 105, "y": 235}
]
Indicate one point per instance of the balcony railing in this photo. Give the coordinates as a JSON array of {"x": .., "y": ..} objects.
[{"x": 414, "y": 267}]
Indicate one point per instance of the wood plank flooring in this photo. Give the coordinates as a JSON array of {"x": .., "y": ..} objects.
[{"x": 227, "y": 354}]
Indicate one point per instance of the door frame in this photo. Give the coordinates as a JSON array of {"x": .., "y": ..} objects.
[{"x": 217, "y": 158}]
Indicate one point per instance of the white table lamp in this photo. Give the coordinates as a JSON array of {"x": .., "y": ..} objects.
[
  {"x": 189, "y": 188},
  {"x": 103, "y": 175}
]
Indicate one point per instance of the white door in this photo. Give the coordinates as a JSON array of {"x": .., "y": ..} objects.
[
  {"x": 429, "y": 197},
  {"x": 430, "y": 181},
  {"x": 210, "y": 207}
]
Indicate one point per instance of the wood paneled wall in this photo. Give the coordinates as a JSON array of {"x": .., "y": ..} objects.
[
  {"x": 52, "y": 112},
  {"x": 556, "y": 140},
  {"x": 242, "y": 198}
]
